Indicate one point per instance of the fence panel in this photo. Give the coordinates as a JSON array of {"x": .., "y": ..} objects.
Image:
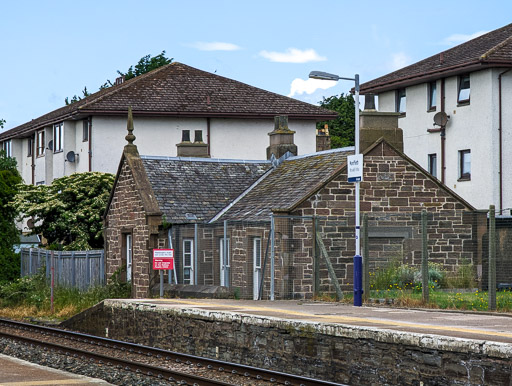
[{"x": 77, "y": 269}]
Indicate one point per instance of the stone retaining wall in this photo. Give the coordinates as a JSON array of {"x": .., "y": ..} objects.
[{"x": 343, "y": 354}]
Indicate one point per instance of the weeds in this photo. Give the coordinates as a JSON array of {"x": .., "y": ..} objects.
[{"x": 31, "y": 296}]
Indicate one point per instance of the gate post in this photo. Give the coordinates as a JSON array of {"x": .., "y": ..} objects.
[
  {"x": 424, "y": 257},
  {"x": 492, "y": 259}
]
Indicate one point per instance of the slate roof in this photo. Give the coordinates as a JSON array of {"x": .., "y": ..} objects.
[
  {"x": 493, "y": 49},
  {"x": 289, "y": 184},
  {"x": 179, "y": 90},
  {"x": 188, "y": 187}
]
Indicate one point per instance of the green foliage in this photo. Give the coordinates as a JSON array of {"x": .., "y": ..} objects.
[
  {"x": 68, "y": 213},
  {"x": 145, "y": 64},
  {"x": 35, "y": 291},
  {"x": 9, "y": 234},
  {"x": 464, "y": 277},
  {"x": 2, "y": 123},
  {"x": 398, "y": 276},
  {"x": 341, "y": 129},
  {"x": 76, "y": 98}
]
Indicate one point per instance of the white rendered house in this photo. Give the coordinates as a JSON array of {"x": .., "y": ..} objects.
[
  {"x": 178, "y": 111},
  {"x": 469, "y": 87}
]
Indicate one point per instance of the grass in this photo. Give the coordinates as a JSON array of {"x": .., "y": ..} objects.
[{"x": 31, "y": 297}]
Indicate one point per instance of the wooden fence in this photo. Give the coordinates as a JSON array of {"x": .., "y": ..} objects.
[{"x": 80, "y": 269}]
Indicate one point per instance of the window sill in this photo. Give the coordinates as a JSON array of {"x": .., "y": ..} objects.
[
  {"x": 461, "y": 179},
  {"x": 431, "y": 110},
  {"x": 57, "y": 151},
  {"x": 401, "y": 115},
  {"x": 463, "y": 103},
  {"x": 40, "y": 156}
]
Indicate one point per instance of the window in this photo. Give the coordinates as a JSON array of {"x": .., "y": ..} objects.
[
  {"x": 432, "y": 164},
  {"x": 432, "y": 94},
  {"x": 465, "y": 164},
  {"x": 464, "y": 89},
  {"x": 30, "y": 147},
  {"x": 57, "y": 137},
  {"x": 188, "y": 261},
  {"x": 85, "y": 130},
  {"x": 256, "y": 256},
  {"x": 400, "y": 101},
  {"x": 7, "y": 147},
  {"x": 224, "y": 263},
  {"x": 129, "y": 256},
  {"x": 40, "y": 143}
]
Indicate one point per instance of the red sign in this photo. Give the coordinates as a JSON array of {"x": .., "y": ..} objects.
[{"x": 163, "y": 258}]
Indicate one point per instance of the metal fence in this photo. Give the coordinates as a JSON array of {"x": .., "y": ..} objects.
[
  {"x": 77, "y": 269},
  {"x": 294, "y": 257}
]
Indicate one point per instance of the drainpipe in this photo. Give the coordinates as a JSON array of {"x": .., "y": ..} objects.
[
  {"x": 500, "y": 131},
  {"x": 33, "y": 165},
  {"x": 89, "y": 123},
  {"x": 443, "y": 134},
  {"x": 208, "y": 135}
]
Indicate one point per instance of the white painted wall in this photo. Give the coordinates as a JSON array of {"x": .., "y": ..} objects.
[{"x": 473, "y": 126}]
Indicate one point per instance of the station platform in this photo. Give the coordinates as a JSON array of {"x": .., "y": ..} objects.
[
  {"x": 16, "y": 372},
  {"x": 491, "y": 327}
]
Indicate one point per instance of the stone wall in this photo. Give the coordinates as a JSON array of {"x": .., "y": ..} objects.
[{"x": 333, "y": 352}]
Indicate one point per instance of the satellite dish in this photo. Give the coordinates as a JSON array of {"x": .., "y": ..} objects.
[
  {"x": 50, "y": 145},
  {"x": 441, "y": 119},
  {"x": 71, "y": 156}
]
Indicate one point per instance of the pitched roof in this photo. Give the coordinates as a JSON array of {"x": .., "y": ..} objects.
[
  {"x": 493, "y": 49},
  {"x": 192, "y": 190},
  {"x": 295, "y": 179},
  {"x": 179, "y": 90}
]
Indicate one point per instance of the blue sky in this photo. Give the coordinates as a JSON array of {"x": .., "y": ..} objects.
[{"x": 52, "y": 49}]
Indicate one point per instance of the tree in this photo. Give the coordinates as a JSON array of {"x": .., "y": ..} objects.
[
  {"x": 68, "y": 213},
  {"x": 145, "y": 64},
  {"x": 2, "y": 123},
  {"x": 9, "y": 234},
  {"x": 341, "y": 129}
]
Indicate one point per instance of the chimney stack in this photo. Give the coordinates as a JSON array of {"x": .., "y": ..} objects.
[
  {"x": 323, "y": 139},
  {"x": 375, "y": 124},
  {"x": 192, "y": 149},
  {"x": 281, "y": 139}
]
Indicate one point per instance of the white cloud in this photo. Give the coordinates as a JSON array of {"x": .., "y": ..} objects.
[
  {"x": 399, "y": 60},
  {"x": 293, "y": 55},
  {"x": 461, "y": 38},
  {"x": 309, "y": 86},
  {"x": 215, "y": 46}
]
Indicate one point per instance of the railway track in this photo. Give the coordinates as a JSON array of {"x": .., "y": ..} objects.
[{"x": 160, "y": 364}]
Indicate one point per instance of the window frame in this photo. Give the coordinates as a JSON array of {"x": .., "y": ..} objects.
[
  {"x": 189, "y": 267},
  {"x": 7, "y": 147},
  {"x": 30, "y": 146},
  {"x": 58, "y": 137},
  {"x": 40, "y": 143},
  {"x": 85, "y": 130},
  {"x": 463, "y": 174},
  {"x": 460, "y": 81},
  {"x": 432, "y": 164},
  {"x": 401, "y": 93},
  {"x": 432, "y": 96}
]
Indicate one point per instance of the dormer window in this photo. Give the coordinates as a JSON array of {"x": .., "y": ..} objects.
[
  {"x": 464, "y": 89},
  {"x": 400, "y": 101}
]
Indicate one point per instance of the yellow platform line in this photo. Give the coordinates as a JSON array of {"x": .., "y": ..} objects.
[{"x": 348, "y": 319}]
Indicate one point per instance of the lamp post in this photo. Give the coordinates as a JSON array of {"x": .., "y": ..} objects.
[{"x": 357, "y": 258}]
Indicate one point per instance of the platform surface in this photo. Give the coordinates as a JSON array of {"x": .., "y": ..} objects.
[
  {"x": 15, "y": 372},
  {"x": 493, "y": 327}
]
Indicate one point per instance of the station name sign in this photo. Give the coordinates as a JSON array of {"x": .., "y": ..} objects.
[{"x": 355, "y": 168}]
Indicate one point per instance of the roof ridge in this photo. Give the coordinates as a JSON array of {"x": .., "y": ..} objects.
[{"x": 492, "y": 50}]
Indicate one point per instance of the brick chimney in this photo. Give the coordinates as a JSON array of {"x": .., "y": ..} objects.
[
  {"x": 323, "y": 139},
  {"x": 375, "y": 124},
  {"x": 198, "y": 148},
  {"x": 281, "y": 139}
]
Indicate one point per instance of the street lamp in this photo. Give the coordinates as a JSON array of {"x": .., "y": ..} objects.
[{"x": 357, "y": 258}]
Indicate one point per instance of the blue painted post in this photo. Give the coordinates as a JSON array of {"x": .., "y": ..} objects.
[{"x": 358, "y": 281}]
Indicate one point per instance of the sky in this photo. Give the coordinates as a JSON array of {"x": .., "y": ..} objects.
[{"x": 53, "y": 49}]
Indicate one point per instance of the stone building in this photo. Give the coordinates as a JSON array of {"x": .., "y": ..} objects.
[{"x": 204, "y": 207}]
